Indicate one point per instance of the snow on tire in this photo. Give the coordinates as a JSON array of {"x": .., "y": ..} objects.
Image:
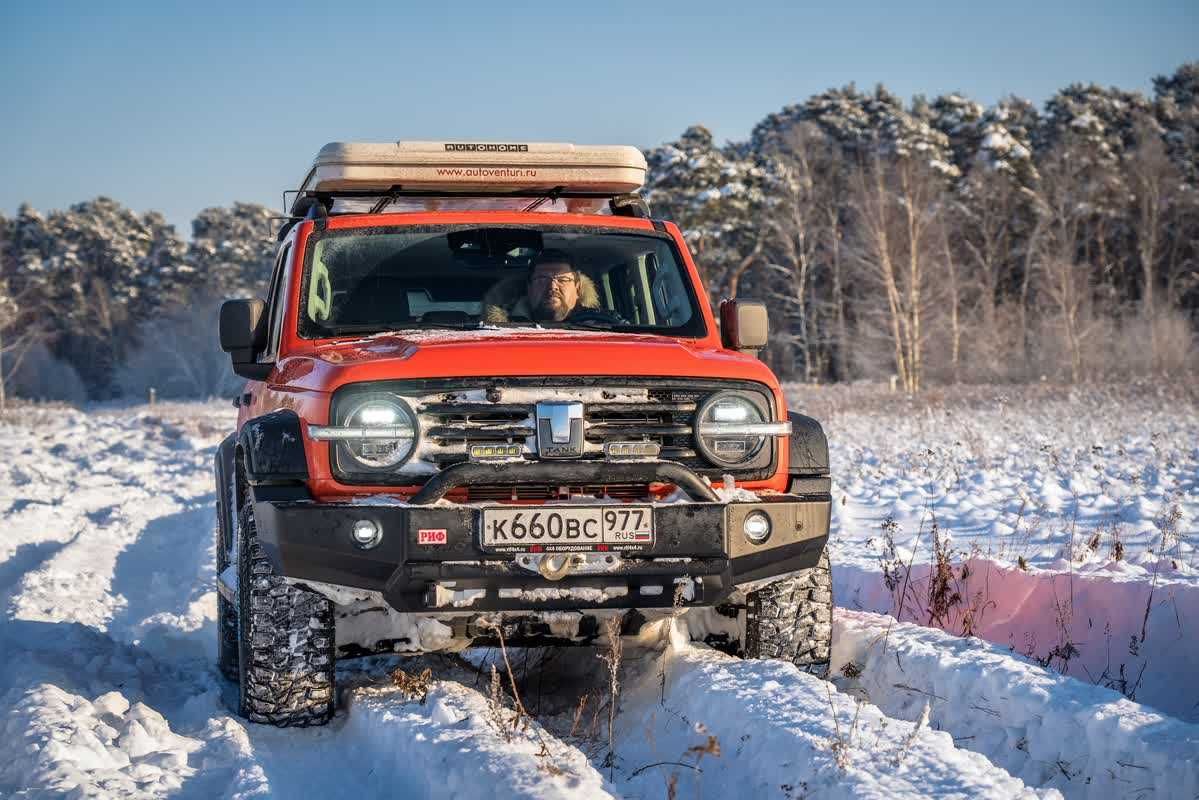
[
  {"x": 286, "y": 641},
  {"x": 792, "y": 619}
]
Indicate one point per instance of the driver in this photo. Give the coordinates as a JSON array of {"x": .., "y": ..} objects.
[{"x": 554, "y": 291}]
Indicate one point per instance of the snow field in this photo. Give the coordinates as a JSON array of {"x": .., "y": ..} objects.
[
  {"x": 1067, "y": 523},
  {"x": 106, "y": 745},
  {"x": 108, "y": 687}
]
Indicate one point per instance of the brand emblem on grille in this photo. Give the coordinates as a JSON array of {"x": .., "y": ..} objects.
[{"x": 559, "y": 430}]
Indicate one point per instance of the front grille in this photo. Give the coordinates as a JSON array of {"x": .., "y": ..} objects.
[
  {"x": 455, "y": 416},
  {"x": 451, "y": 427},
  {"x": 664, "y": 416},
  {"x": 476, "y": 422}
]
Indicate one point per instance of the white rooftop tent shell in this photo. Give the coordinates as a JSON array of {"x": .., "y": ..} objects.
[{"x": 474, "y": 167}]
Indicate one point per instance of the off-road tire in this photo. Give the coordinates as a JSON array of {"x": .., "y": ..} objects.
[
  {"x": 226, "y": 614},
  {"x": 286, "y": 641},
  {"x": 792, "y": 619}
]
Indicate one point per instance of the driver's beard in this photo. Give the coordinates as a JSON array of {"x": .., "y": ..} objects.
[{"x": 545, "y": 311}]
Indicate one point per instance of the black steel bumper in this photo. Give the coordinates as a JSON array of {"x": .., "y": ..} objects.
[{"x": 699, "y": 541}]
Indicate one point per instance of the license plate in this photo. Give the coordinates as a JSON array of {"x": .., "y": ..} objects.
[{"x": 560, "y": 529}]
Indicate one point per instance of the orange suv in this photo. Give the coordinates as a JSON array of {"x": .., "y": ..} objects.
[{"x": 487, "y": 396}]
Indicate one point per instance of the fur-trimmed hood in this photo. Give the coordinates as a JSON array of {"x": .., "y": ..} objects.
[{"x": 508, "y": 298}]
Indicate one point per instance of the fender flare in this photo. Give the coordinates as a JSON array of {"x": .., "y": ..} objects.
[
  {"x": 224, "y": 465},
  {"x": 272, "y": 450},
  {"x": 808, "y": 447}
]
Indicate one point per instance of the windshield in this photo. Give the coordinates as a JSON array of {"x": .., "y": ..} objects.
[{"x": 464, "y": 277}]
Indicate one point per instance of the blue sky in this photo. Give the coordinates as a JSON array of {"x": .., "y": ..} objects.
[{"x": 175, "y": 107}]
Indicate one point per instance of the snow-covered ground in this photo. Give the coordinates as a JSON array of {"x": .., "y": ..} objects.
[
  {"x": 1066, "y": 522},
  {"x": 108, "y": 685}
]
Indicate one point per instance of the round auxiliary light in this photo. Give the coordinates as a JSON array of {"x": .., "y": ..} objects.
[
  {"x": 756, "y": 527},
  {"x": 366, "y": 533}
]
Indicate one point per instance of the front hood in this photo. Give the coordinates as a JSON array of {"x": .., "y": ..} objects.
[{"x": 524, "y": 353}]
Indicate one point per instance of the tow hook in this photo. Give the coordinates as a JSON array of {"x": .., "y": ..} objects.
[{"x": 556, "y": 566}]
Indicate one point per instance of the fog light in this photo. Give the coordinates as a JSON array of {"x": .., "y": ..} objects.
[
  {"x": 366, "y": 533},
  {"x": 756, "y": 527}
]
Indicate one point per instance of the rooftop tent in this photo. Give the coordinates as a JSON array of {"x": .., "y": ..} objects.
[{"x": 448, "y": 168}]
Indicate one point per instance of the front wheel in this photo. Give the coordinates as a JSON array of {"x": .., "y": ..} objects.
[
  {"x": 792, "y": 619},
  {"x": 285, "y": 641}
]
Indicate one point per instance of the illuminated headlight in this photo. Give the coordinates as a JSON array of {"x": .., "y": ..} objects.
[
  {"x": 728, "y": 429},
  {"x": 756, "y": 527},
  {"x": 388, "y": 433}
]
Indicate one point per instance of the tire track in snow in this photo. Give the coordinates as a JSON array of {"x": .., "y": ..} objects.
[
  {"x": 82, "y": 697},
  {"x": 89, "y": 618},
  {"x": 781, "y": 733},
  {"x": 1048, "y": 729},
  {"x": 1115, "y": 629},
  {"x": 123, "y": 611}
]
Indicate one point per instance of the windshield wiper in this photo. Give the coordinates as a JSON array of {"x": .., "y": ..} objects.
[
  {"x": 592, "y": 324},
  {"x": 374, "y": 327}
]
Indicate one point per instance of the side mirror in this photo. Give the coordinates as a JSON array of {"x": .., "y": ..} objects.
[
  {"x": 243, "y": 336},
  {"x": 743, "y": 325}
]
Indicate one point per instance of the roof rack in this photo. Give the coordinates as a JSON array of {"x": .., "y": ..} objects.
[{"x": 476, "y": 169}]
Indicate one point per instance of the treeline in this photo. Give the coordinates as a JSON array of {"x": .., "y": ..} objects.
[
  {"x": 97, "y": 302},
  {"x": 936, "y": 240},
  {"x": 943, "y": 241}
]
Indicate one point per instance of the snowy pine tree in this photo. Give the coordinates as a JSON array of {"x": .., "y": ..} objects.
[
  {"x": 232, "y": 250},
  {"x": 961, "y": 121},
  {"x": 1177, "y": 107},
  {"x": 1006, "y": 143},
  {"x": 865, "y": 126},
  {"x": 97, "y": 270},
  {"x": 712, "y": 193}
]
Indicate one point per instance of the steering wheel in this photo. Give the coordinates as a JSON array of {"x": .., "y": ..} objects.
[{"x": 595, "y": 316}]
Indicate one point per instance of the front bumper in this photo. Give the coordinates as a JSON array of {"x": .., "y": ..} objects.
[{"x": 699, "y": 546}]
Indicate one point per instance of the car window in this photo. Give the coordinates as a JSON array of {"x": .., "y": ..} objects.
[
  {"x": 278, "y": 293},
  {"x": 373, "y": 280}
]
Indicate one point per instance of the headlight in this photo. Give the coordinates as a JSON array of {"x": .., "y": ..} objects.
[
  {"x": 729, "y": 429},
  {"x": 388, "y": 433}
]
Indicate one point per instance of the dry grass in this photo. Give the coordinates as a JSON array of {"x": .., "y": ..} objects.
[
  {"x": 944, "y": 595},
  {"x": 911, "y": 738},
  {"x": 843, "y": 741},
  {"x": 517, "y": 719},
  {"x": 413, "y": 687},
  {"x": 942, "y": 601},
  {"x": 612, "y": 658}
]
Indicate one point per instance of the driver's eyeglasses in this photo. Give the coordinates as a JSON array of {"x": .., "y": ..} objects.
[{"x": 565, "y": 279}]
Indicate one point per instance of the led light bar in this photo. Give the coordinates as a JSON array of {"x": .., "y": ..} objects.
[
  {"x": 745, "y": 428},
  {"x": 325, "y": 433},
  {"x": 483, "y": 452},
  {"x": 615, "y": 450}
]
